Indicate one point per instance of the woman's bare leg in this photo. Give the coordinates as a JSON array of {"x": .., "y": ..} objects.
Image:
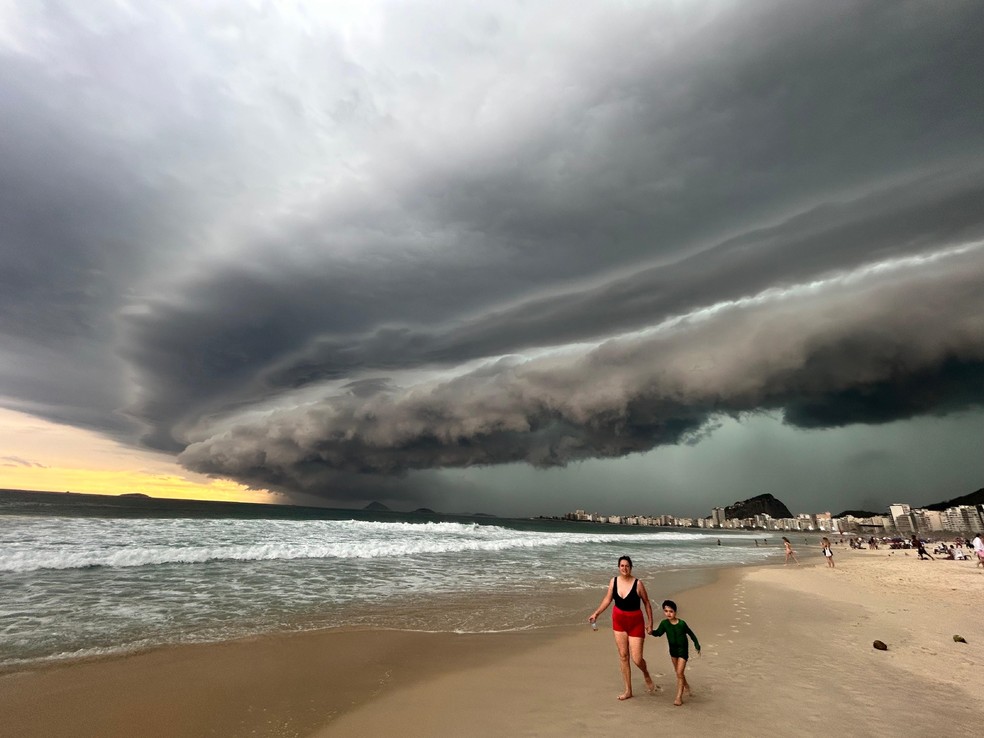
[
  {"x": 622, "y": 643},
  {"x": 635, "y": 648}
]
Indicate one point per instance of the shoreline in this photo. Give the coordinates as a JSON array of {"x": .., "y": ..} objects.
[
  {"x": 782, "y": 645},
  {"x": 280, "y": 683}
]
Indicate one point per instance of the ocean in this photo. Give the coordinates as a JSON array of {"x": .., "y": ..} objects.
[{"x": 84, "y": 576}]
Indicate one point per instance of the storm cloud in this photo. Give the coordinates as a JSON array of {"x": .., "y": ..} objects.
[
  {"x": 863, "y": 347},
  {"x": 336, "y": 249}
]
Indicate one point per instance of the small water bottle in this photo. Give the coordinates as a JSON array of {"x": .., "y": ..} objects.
[{"x": 594, "y": 625}]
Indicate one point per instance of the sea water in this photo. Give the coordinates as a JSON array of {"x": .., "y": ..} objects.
[{"x": 82, "y": 577}]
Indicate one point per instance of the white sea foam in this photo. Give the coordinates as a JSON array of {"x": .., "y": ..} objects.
[{"x": 169, "y": 542}]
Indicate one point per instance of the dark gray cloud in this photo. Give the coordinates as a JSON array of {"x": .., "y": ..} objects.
[
  {"x": 332, "y": 249},
  {"x": 866, "y": 347}
]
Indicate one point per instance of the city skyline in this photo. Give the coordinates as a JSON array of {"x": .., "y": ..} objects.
[{"x": 900, "y": 518}]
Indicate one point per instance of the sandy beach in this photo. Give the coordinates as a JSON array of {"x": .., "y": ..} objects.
[{"x": 787, "y": 650}]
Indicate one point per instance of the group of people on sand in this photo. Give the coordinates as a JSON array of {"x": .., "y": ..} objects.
[
  {"x": 914, "y": 542},
  {"x": 630, "y": 627},
  {"x": 955, "y": 552},
  {"x": 825, "y": 548}
]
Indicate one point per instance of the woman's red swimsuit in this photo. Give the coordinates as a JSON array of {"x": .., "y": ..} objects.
[{"x": 627, "y": 612}]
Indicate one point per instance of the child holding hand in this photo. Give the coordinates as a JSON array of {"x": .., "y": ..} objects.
[{"x": 676, "y": 631}]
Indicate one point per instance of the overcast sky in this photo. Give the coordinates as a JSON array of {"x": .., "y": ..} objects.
[{"x": 511, "y": 257}]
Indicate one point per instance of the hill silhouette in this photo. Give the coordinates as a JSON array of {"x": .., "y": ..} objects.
[
  {"x": 974, "y": 498},
  {"x": 859, "y": 514},
  {"x": 758, "y": 505}
]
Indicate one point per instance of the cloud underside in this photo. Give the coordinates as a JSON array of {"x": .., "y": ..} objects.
[{"x": 868, "y": 347}]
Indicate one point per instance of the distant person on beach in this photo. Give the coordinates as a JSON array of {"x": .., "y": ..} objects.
[
  {"x": 978, "y": 544},
  {"x": 630, "y": 596},
  {"x": 827, "y": 552},
  {"x": 676, "y": 631},
  {"x": 923, "y": 553},
  {"x": 790, "y": 553}
]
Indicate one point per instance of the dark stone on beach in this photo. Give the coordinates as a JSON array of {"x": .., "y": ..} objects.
[
  {"x": 959, "y": 639},
  {"x": 880, "y": 646}
]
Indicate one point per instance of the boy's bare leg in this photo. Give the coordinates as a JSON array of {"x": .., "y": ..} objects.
[{"x": 678, "y": 666}]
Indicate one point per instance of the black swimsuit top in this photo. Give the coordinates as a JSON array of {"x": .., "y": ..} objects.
[{"x": 631, "y": 601}]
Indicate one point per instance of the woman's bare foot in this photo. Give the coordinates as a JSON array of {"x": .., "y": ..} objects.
[
  {"x": 686, "y": 689},
  {"x": 650, "y": 686},
  {"x": 625, "y": 696},
  {"x": 677, "y": 702}
]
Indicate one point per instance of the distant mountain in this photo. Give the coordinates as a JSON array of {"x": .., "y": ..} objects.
[
  {"x": 377, "y": 507},
  {"x": 859, "y": 514},
  {"x": 760, "y": 505},
  {"x": 974, "y": 498},
  {"x": 424, "y": 511},
  {"x": 135, "y": 494}
]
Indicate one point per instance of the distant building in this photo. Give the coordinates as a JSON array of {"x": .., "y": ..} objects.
[
  {"x": 805, "y": 521},
  {"x": 928, "y": 521},
  {"x": 905, "y": 524},
  {"x": 897, "y": 510},
  {"x": 963, "y": 519}
]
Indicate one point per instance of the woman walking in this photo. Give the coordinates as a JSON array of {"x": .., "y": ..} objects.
[
  {"x": 827, "y": 551},
  {"x": 630, "y": 597},
  {"x": 790, "y": 553}
]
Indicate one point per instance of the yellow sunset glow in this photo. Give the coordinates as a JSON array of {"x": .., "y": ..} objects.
[{"x": 37, "y": 454}]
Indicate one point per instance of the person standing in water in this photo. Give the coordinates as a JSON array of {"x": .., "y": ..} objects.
[
  {"x": 630, "y": 597},
  {"x": 790, "y": 553},
  {"x": 676, "y": 631},
  {"x": 827, "y": 552}
]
